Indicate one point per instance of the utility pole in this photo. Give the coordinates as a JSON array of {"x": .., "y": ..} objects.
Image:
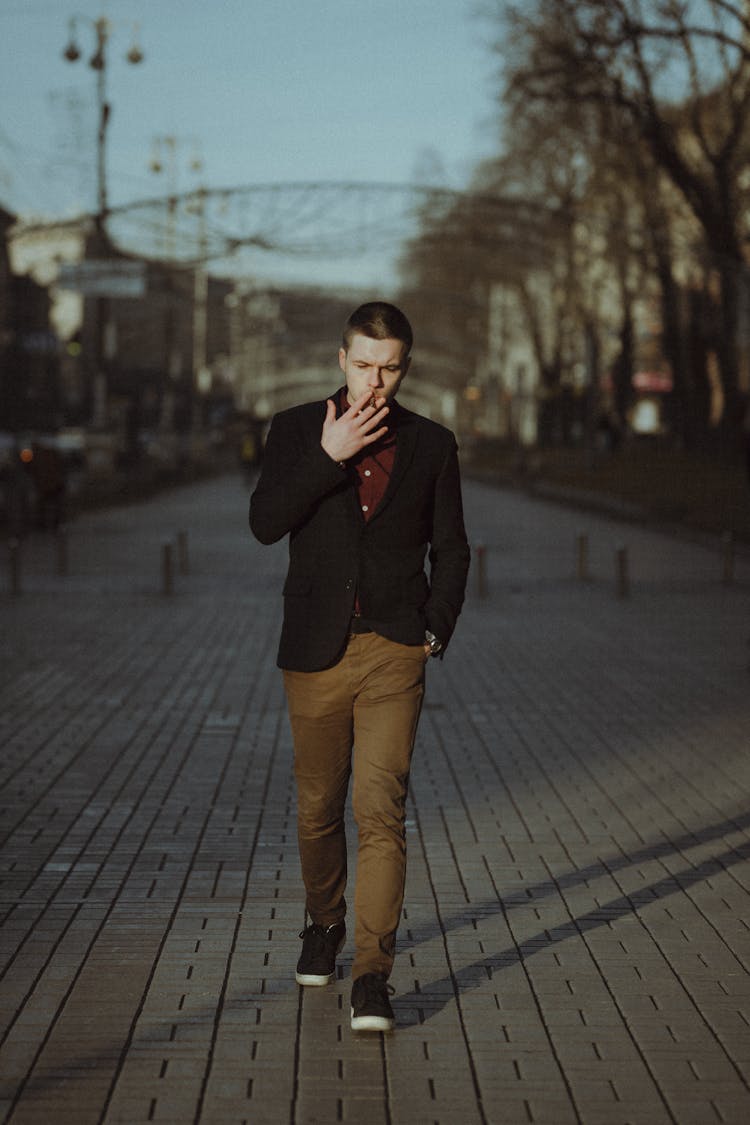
[
  {"x": 201, "y": 374},
  {"x": 101, "y": 249}
]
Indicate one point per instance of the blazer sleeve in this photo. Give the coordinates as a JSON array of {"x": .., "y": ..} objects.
[
  {"x": 449, "y": 551},
  {"x": 296, "y": 473}
]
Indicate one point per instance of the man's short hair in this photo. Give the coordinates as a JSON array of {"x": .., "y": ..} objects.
[{"x": 380, "y": 321}]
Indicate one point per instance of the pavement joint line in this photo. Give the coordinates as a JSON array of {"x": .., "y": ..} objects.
[{"x": 578, "y": 897}]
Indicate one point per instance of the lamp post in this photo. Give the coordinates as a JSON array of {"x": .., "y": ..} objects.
[{"x": 98, "y": 62}]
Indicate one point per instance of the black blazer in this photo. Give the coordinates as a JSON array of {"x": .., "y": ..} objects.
[{"x": 334, "y": 555}]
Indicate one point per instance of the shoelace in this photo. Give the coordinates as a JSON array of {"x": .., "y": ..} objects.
[
  {"x": 312, "y": 931},
  {"x": 318, "y": 934},
  {"x": 374, "y": 986}
]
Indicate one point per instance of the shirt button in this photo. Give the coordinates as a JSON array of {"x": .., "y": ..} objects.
[
  {"x": 368, "y": 473},
  {"x": 365, "y": 508}
]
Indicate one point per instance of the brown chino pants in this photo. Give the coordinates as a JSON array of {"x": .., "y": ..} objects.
[{"x": 357, "y": 718}]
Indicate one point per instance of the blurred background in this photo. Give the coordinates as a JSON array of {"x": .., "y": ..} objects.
[{"x": 193, "y": 197}]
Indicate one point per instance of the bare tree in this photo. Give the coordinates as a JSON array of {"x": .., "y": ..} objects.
[
  {"x": 466, "y": 242},
  {"x": 678, "y": 72}
]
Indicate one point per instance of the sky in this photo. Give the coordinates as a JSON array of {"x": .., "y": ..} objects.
[{"x": 260, "y": 91}]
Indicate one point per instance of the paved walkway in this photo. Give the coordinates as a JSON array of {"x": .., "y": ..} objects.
[{"x": 576, "y": 935}]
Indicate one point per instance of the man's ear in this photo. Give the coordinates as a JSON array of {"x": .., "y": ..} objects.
[{"x": 342, "y": 359}]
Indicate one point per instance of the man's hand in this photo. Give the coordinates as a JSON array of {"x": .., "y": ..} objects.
[{"x": 359, "y": 426}]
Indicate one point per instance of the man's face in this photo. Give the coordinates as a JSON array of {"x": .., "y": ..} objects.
[{"x": 377, "y": 366}]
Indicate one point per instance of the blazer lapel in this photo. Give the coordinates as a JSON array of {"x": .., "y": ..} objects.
[{"x": 406, "y": 443}]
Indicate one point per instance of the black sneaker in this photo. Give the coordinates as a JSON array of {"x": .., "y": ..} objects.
[
  {"x": 371, "y": 1008},
  {"x": 320, "y": 944}
]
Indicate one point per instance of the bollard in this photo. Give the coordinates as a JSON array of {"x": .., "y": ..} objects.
[
  {"x": 62, "y": 551},
  {"x": 481, "y": 557},
  {"x": 14, "y": 558},
  {"x": 167, "y": 568},
  {"x": 623, "y": 574},
  {"x": 582, "y": 557},
  {"x": 727, "y": 574},
  {"x": 183, "y": 561}
]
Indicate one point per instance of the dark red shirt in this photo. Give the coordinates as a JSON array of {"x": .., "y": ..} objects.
[{"x": 373, "y": 466}]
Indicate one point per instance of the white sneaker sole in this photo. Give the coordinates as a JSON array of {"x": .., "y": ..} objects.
[
  {"x": 313, "y": 981},
  {"x": 371, "y": 1023},
  {"x": 319, "y": 980}
]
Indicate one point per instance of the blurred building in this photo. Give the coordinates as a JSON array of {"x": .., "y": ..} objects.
[
  {"x": 6, "y": 221},
  {"x": 30, "y": 397},
  {"x": 158, "y": 373},
  {"x": 284, "y": 344}
]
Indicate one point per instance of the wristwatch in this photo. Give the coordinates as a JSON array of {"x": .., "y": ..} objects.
[{"x": 433, "y": 642}]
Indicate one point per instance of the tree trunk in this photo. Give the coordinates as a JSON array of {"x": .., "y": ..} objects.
[
  {"x": 622, "y": 369},
  {"x": 730, "y": 426}
]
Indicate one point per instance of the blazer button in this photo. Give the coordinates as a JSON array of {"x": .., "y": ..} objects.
[{"x": 349, "y": 584}]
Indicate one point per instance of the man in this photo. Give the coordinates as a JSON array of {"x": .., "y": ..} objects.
[{"x": 364, "y": 489}]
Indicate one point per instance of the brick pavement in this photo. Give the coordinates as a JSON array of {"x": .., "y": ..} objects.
[{"x": 576, "y": 936}]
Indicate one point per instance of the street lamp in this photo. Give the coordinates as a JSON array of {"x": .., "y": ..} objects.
[{"x": 98, "y": 62}]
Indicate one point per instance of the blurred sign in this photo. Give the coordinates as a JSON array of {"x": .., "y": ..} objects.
[
  {"x": 104, "y": 277},
  {"x": 653, "y": 381},
  {"x": 38, "y": 343}
]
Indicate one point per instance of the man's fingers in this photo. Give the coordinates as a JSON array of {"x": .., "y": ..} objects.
[
  {"x": 360, "y": 403},
  {"x": 374, "y": 437},
  {"x": 367, "y": 419},
  {"x": 367, "y": 400},
  {"x": 357, "y": 406},
  {"x": 356, "y": 428}
]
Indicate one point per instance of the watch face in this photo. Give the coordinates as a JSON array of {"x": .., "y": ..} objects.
[{"x": 432, "y": 641}]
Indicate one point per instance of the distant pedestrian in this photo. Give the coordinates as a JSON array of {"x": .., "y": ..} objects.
[
  {"x": 17, "y": 492},
  {"x": 365, "y": 489},
  {"x": 48, "y": 474}
]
